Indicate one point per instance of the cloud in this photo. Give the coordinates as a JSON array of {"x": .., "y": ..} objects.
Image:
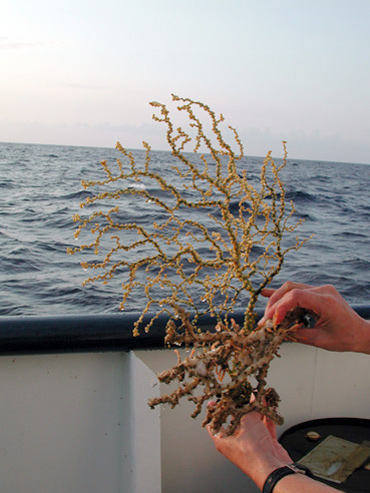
[
  {"x": 257, "y": 142},
  {"x": 82, "y": 134},
  {"x": 72, "y": 85},
  {"x": 306, "y": 145},
  {"x": 5, "y": 44}
]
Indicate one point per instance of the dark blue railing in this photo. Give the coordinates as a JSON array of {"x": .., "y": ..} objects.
[{"x": 90, "y": 333}]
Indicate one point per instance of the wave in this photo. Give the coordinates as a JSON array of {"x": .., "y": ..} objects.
[
  {"x": 40, "y": 197},
  {"x": 7, "y": 184},
  {"x": 81, "y": 194},
  {"x": 301, "y": 197},
  {"x": 16, "y": 265},
  {"x": 357, "y": 264}
]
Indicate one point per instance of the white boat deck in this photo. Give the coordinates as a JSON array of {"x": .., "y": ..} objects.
[{"x": 79, "y": 423}]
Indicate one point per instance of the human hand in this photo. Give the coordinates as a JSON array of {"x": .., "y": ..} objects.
[
  {"x": 338, "y": 326},
  {"x": 253, "y": 447}
]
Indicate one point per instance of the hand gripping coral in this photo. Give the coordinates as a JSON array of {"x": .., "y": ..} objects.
[{"x": 188, "y": 267}]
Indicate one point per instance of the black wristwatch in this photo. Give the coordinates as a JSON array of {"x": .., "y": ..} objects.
[{"x": 280, "y": 473}]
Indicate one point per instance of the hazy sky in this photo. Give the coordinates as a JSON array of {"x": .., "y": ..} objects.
[{"x": 82, "y": 72}]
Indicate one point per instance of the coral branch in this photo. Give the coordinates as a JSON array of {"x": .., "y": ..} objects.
[{"x": 217, "y": 241}]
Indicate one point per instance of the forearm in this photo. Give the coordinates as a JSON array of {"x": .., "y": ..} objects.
[{"x": 291, "y": 483}]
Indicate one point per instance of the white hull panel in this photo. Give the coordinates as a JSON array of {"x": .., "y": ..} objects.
[{"x": 79, "y": 423}]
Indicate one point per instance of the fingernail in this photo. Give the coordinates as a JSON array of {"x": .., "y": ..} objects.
[{"x": 277, "y": 318}]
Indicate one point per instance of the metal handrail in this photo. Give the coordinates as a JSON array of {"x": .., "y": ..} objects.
[{"x": 92, "y": 333}]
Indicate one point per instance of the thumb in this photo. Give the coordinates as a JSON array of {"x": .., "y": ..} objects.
[{"x": 271, "y": 427}]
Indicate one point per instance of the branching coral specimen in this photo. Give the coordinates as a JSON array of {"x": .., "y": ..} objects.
[
  {"x": 233, "y": 353},
  {"x": 218, "y": 242}
]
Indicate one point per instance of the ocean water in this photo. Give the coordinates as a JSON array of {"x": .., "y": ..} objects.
[{"x": 40, "y": 191}]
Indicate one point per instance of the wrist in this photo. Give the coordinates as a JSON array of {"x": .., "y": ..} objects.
[
  {"x": 279, "y": 474},
  {"x": 362, "y": 342},
  {"x": 263, "y": 470}
]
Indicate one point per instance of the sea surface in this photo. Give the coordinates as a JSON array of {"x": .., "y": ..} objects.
[{"x": 40, "y": 191}]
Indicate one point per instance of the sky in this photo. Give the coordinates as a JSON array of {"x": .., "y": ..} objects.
[{"x": 82, "y": 72}]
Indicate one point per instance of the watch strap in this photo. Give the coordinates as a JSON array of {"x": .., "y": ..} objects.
[{"x": 281, "y": 472}]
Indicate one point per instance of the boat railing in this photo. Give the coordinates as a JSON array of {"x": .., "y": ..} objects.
[{"x": 97, "y": 332}]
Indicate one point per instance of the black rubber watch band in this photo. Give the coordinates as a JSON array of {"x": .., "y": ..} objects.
[{"x": 280, "y": 473}]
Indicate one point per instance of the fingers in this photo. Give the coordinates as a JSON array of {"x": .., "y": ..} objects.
[
  {"x": 306, "y": 299},
  {"x": 287, "y": 297},
  {"x": 308, "y": 336},
  {"x": 267, "y": 292},
  {"x": 220, "y": 435},
  {"x": 247, "y": 421},
  {"x": 284, "y": 289}
]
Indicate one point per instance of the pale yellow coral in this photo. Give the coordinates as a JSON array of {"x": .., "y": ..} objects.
[{"x": 224, "y": 270}]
